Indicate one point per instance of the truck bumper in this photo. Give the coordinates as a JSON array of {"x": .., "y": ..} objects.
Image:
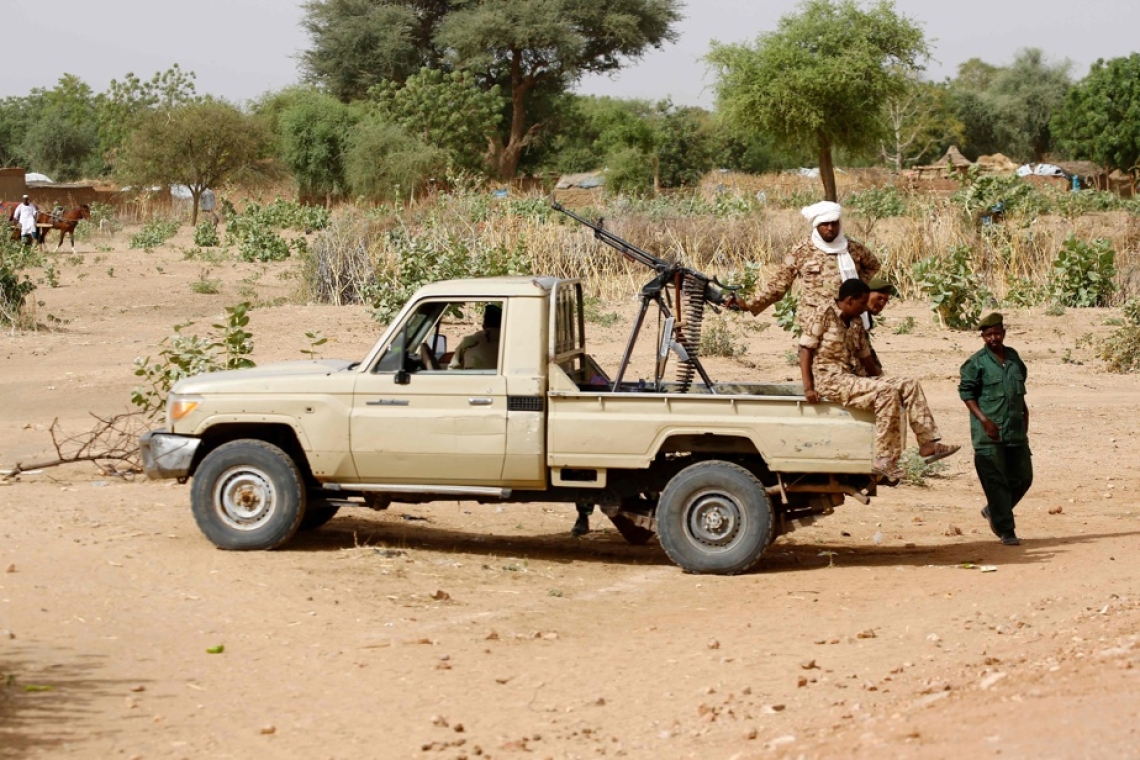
[{"x": 165, "y": 455}]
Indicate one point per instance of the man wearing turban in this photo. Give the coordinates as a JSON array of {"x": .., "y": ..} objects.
[{"x": 821, "y": 264}]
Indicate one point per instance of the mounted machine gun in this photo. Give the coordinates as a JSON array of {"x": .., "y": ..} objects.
[{"x": 679, "y": 326}]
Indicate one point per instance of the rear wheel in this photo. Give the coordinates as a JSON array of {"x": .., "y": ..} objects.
[
  {"x": 248, "y": 494},
  {"x": 714, "y": 517}
]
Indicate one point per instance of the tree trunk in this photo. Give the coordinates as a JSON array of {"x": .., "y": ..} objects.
[
  {"x": 827, "y": 170},
  {"x": 194, "y": 195},
  {"x": 516, "y": 138}
]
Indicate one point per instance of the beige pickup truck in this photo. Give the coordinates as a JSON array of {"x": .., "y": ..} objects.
[{"x": 715, "y": 472}]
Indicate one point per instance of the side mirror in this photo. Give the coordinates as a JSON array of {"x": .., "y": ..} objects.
[{"x": 403, "y": 377}]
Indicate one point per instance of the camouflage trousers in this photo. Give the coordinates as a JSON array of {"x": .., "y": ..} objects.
[{"x": 888, "y": 398}]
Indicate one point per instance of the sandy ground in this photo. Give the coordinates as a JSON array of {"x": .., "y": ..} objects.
[{"x": 457, "y": 630}]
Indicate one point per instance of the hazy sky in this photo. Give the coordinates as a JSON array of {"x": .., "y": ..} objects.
[{"x": 242, "y": 48}]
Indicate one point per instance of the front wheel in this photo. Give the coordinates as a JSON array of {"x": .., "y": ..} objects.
[
  {"x": 714, "y": 517},
  {"x": 248, "y": 494}
]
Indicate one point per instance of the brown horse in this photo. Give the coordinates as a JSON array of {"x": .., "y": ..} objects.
[{"x": 65, "y": 223}]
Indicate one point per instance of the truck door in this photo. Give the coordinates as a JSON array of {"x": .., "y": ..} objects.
[{"x": 433, "y": 407}]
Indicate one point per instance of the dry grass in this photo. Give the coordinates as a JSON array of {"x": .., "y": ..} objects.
[{"x": 718, "y": 232}]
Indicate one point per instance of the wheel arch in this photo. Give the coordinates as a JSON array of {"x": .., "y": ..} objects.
[{"x": 280, "y": 434}]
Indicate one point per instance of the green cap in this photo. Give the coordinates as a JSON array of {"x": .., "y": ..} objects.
[
  {"x": 993, "y": 319},
  {"x": 881, "y": 285}
]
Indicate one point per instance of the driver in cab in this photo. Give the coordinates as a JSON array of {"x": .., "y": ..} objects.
[{"x": 480, "y": 350}]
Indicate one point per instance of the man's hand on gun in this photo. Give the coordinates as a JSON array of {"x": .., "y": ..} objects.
[{"x": 735, "y": 303}]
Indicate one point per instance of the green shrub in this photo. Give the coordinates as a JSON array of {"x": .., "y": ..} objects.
[
  {"x": 206, "y": 235},
  {"x": 182, "y": 356},
  {"x": 629, "y": 171},
  {"x": 785, "y": 312},
  {"x": 1083, "y": 273},
  {"x": 1009, "y": 195},
  {"x": 253, "y": 230},
  {"x": 877, "y": 202},
  {"x": 593, "y": 312},
  {"x": 955, "y": 291},
  {"x": 1024, "y": 293},
  {"x": 154, "y": 234},
  {"x": 262, "y": 244},
  {"x": 718, "y": 339},
  {"x": 15, "y": 284},
  {"x": 905, "y": 327},
  {"x": 1121, "y": 350},
  {"x": 420, "y": 260},
  {"x": 916, "y": 469}
]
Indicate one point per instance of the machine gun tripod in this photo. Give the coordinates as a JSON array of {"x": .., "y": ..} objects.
[{"x": 691, "y": 291}]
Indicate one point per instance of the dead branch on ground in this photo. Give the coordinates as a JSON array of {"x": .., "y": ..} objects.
[{"x": 112, "y": 444}]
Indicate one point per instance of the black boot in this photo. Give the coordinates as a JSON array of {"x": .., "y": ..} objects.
[{"x": 581, "y": 525}]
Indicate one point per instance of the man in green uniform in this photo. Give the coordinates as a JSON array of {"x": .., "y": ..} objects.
[{"x": 993, "y": 387}]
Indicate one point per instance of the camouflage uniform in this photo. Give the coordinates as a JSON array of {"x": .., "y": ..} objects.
[
  {"x": 819, "y": 278},
  {"x": 839, "y": 348}
]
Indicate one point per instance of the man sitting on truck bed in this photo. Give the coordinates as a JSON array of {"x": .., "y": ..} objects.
[{"x": 832, "y": 345}]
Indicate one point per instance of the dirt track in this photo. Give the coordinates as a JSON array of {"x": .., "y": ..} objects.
[{"x": 464, "y": 630}]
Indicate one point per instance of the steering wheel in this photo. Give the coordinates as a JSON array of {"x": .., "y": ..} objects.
[{"x": 427, "y": 356}]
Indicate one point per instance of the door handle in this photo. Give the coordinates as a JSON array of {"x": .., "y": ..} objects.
[
  {"x": 388, "y": 402},
  {"x": 480, "y": 401}
]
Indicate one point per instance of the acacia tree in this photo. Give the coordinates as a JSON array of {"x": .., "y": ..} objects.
[
  {"x": 532, "y": 49},
  {"x": 448, "y": 110},
  {"x": 358, "y": 44},
  {"x": 821, "y": 79},
  {"x": 1100, "y": 118},
  {"x": 199, "y": 145},
  {"x": 123, "y": 105},
  {"x": 1025, "y": 96}
]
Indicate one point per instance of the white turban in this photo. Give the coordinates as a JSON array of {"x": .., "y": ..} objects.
[{"x": 819, "y": 213}]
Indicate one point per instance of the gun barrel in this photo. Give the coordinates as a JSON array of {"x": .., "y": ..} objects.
[{"x": 626, "y": 248}]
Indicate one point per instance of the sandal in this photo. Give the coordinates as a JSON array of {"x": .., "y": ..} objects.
[
  {"x": 889, "y": 474},
  {"x": 941, "y": 451}
]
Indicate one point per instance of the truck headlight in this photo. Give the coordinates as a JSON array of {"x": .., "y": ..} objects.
[{"x": 178, "y": 407}]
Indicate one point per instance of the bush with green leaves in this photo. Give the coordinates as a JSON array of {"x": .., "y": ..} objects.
[
  {"x": 955, "y": 290},
  {"x": 254, "y": 229},
  {"x": 262, "y": 244},
  {"x": 630, "y": 171},
  {"x": 718, "y": 339},
  {"x": 15, "y": 283},
  {"x": 1023, "y": 293},
  {"x": 206, "y": 235},
  {"x": 877, "y": 202},
  {"x": 419, "y": 260},
  {"x": 1009, "y": 194},
  {"x": 916, "y": 469},
  {"x": 1084, "y": 274},
  {"x": 154, "y": 233},
  {"x": 1072, "y": 204},
  {"x": 1121, "y": 350},
  {"x": 181, "y": 355},
  {"x": 785, "y": 313}
]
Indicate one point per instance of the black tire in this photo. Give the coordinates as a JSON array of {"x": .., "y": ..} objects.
[
  {"x": 317, "y": 514},
  {"x": 248, "y": 494},
  {"x": 714, "y": 517}
]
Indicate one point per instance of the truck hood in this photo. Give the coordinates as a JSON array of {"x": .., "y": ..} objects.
[{"x": 268, "y": 378}]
